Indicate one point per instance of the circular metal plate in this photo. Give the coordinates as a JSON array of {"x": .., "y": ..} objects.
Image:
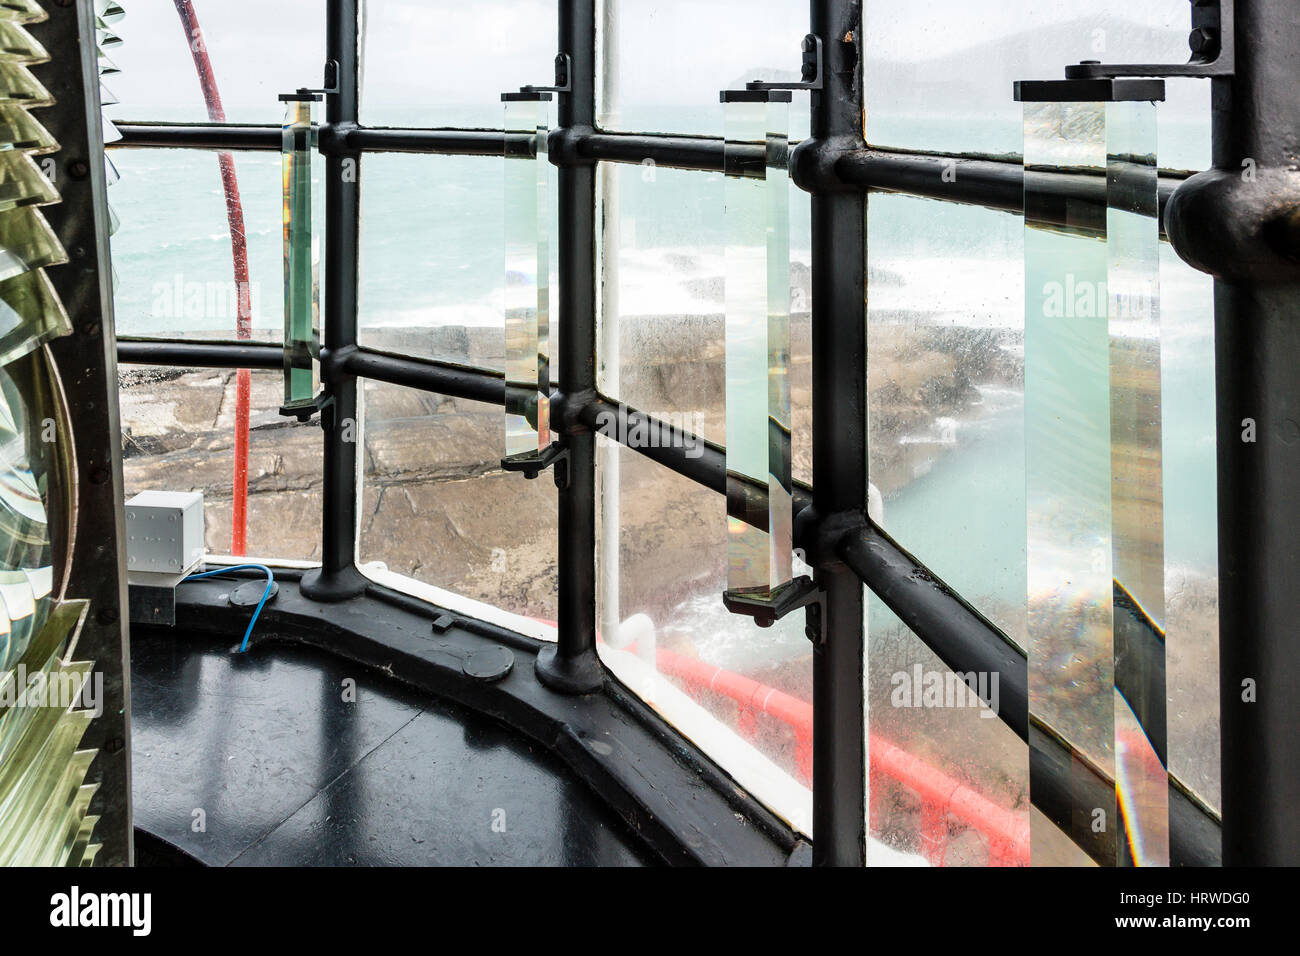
[
  {"x": 489, "y": 665},
  {"x": 250, "y": 592}
]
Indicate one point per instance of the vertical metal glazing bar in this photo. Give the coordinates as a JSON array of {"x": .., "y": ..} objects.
[
  {"x": 338, "y": 578},
  {"x": 839, "y": 375},
  {"x": 1242, "y": 220},
  {"x": 571, "y": 665}
]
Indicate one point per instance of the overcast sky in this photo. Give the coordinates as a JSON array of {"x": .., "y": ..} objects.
[{"x": 464, "y": 52}]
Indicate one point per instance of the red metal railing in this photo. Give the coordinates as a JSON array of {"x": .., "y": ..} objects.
[
  {"x": 239, "y": 252},
  {"x": 1005, "y": 833}
]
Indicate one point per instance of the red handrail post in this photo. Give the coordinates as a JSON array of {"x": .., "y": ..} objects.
[{"x": 239, "y": 252}]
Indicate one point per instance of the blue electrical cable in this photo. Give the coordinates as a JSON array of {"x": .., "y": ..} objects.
[{"x": 270, "y": 581}]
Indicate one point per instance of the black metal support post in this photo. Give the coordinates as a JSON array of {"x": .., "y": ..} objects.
[
  {"x": 1241, "y": 222},
  {"x": 839, "y": 375},
  {"x": 337, "y": 578},
  {"x": 571, "y": 665}
]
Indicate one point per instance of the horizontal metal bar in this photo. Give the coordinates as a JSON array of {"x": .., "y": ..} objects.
[
  {"x": 683, "y": 152},
  {"x": 200, "y": 354},
  {"x": 680, "y": 152},
  {"x": 993, "y": 183},
  {"x": 453, "y": 142},
  {"x": 444, "y": 378},
  {"x": 703, "y": 462},
  {"x": 221, "y": 136}
]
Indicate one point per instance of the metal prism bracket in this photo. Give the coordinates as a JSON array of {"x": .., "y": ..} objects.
[
  {"x": 305, "y": 413},
  {"x": 532, "y": 466},
  {"x": 811, "y": 71},
  {"x": 1212, "y": 42},
  {"x": 802, "y": 592},
  {"x": 563, "y": 78},
  {"x": 1094, "y": 90},
  {"x": 331, "y": 85}
]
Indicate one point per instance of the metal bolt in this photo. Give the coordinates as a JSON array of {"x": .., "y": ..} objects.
[
  {"x": 1204, "y": 41},
  {"x": 78, "y": 169}
]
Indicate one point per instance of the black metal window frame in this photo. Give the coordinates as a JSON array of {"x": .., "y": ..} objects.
[{"x": 838, "y": 168}]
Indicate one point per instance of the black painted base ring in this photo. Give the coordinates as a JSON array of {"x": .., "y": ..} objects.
[
  {"x": 330, "y": 587},
  {"x": 570, "y": 675}
]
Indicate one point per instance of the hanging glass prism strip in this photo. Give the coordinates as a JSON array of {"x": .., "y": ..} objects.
[
  {"x": 1094, "y": 486},
  {"x": 301, "y": 275},
  {"x": 757, "y": 281},
  {"x": 527, "y": 279}
]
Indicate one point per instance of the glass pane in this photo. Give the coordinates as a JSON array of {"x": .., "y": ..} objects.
[
  {"x": 946, "y": 403},
  {"x": 527, "y": 287},
  {"x": 1094, "y": 469},
  {"x": 938, "y": 76},
  {"x": 1191, "y": 524},
  {"x": 742, "y": 693},
  {"x": 26, "y": 551},
  {"x": 22, "y": 183},
  {"x": 432, "y": 473},
  {"x": 949, "y": 781},
  {"x": 30, "y": 314},
  {"x": 1137, "y": 501},
  {"x": 441, "y": 63},
  {"x": 27, "y": 242},
  {"x": 19, "y": 87},
  {"x": 1067, "y": 462},
  {"x": 432, "y": 245},
  {"x": 662, "y": 61},
  {"x": 945, "y": 386},
  {"x": 178, "y": 434},
  {"x": 301, "y": 256},
  {"x": 758, "y": 343},
  {"x": 18, "y": 45},
  {"x": 19, "y": 130},
  {"x": 158, "y": 80},
  {"x": 22, "y": 11},
  {"x": 662, "y": 327},
  {"x": 173, "y": 253}
]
